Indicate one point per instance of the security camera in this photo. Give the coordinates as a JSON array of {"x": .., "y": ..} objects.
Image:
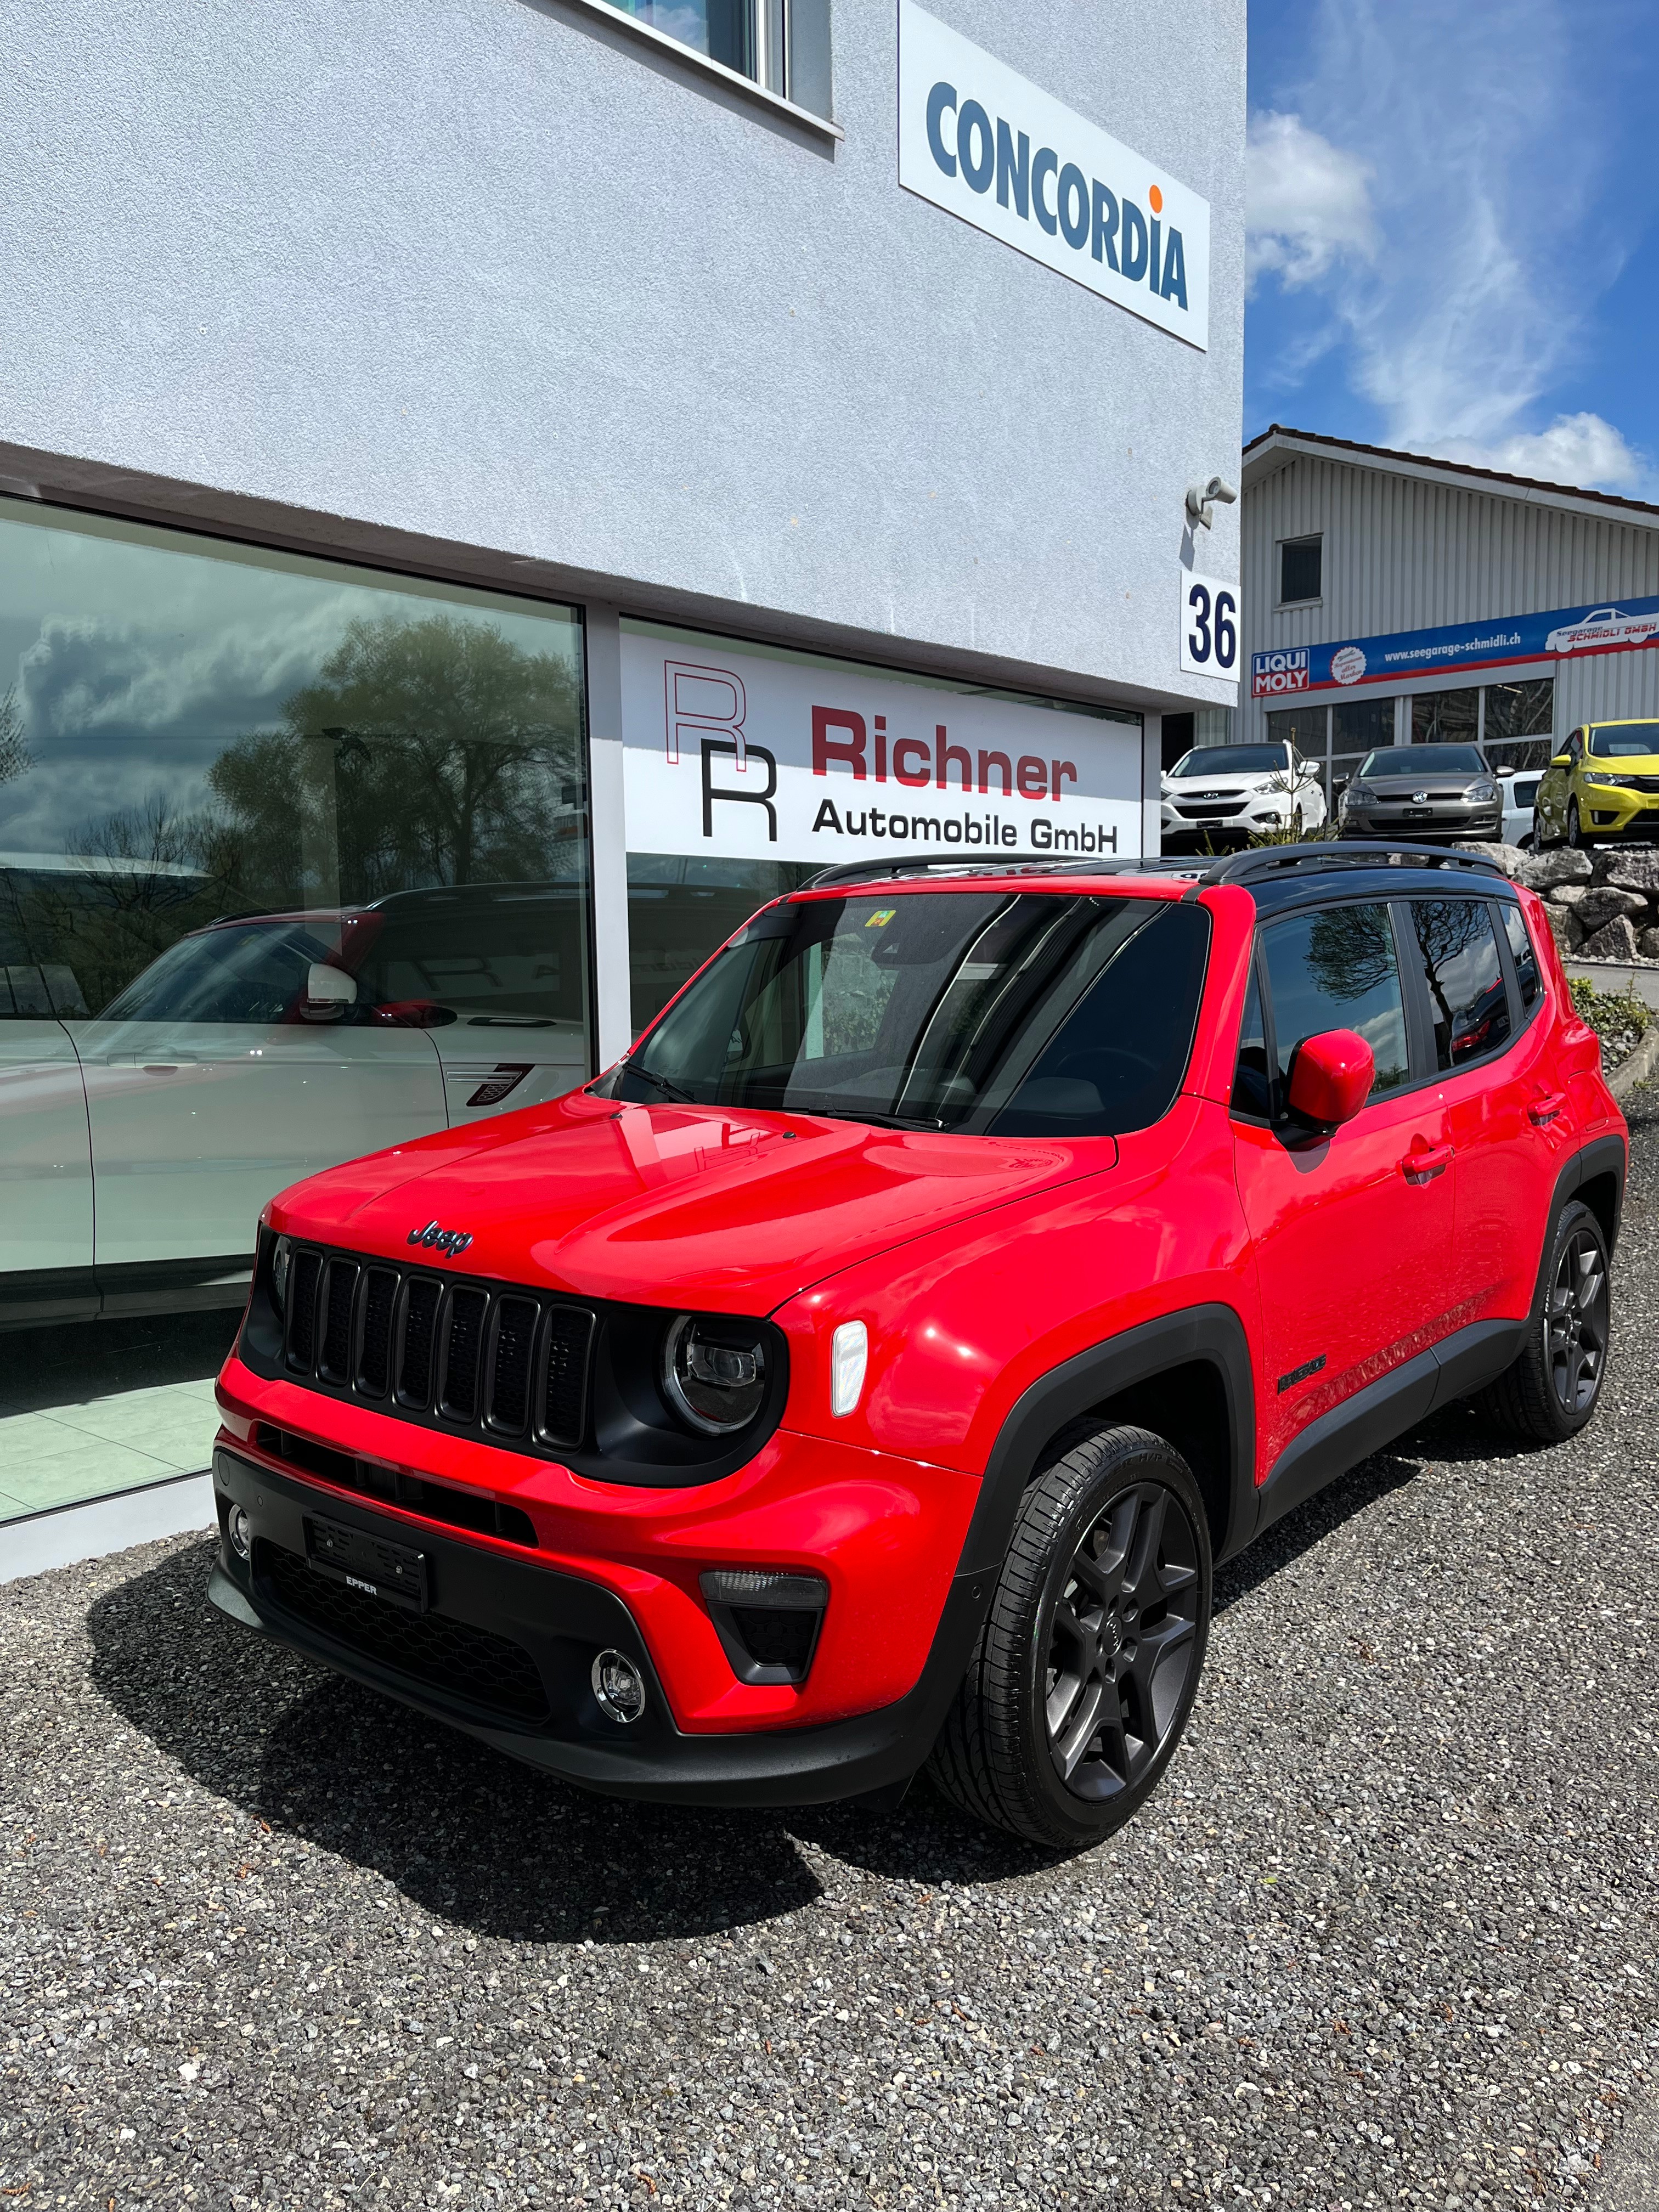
[{"x": 1200, "y": 498}]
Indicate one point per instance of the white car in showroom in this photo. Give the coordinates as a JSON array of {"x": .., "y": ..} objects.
[{"x": 1224, "y": 794}]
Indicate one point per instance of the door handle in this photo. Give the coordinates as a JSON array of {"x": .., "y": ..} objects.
[
  {"x": 1545, "y": 1108},
  {"x": 1422, "y": 1164}
]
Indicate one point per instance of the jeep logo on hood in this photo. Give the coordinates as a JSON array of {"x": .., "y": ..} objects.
[{"x": 450, "y": 1242}]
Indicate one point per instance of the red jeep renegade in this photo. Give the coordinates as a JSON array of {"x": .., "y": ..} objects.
[{"x": 868, "y": 1370}]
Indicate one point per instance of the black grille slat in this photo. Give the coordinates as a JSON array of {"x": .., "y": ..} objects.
[
  {"x": 420, "y": 1341},
  {"x": 375, "y": 1355},
  {"x": 339, "y": 1288},
  {"x": 439, "y": 1501},
  {"x": 303, "y": 1278},
  {"x": 452, "y": 1656},
  {"x": 564, "y": 1377},
  {"x": 463, "y": 1335},
  {"x": 510, "y": 1369}
]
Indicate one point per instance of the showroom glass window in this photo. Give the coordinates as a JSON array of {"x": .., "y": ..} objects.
[
  {"x": 1446, "y": 718},
  {"x": 781, "y": 44}
]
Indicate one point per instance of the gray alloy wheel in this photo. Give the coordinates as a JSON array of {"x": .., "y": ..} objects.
[
  {"x": 1578, "y": 837},
  {"x": 1089, "y": 1659},
  {"x": 1553, "y": 1388}
]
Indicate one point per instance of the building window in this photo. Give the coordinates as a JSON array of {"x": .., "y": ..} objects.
[
  {"x": 783, "y": 44},
  {"x": 294, "y": 865},
  {"x": 1301, "y": 570},
  {"x": 1446, "y": 718},
  {"x": 1517, "y": 723}
]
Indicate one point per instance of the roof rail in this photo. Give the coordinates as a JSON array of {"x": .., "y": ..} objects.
[
  {"x": 1264, "y": 862},
  {"x": 918, "y": 863}
]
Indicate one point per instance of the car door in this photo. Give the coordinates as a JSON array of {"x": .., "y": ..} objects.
[
  {"x": 45, "y": 1158},
  {"x": 1350, "y": 1227},
  {"x": 1509, "y": 1122},
  {"x": 210, "y": 1085},
  {"x": 1554, "y": 788}
]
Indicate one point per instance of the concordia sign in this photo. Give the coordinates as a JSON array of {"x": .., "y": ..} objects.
[
  {"x": 990, "y": 147},
  {"x": 1505, "y": 641},
  {"x": 740, "y": 754}
]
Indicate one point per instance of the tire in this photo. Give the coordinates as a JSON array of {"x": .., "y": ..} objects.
[
  {"x": 1578, "y": 838},
  {"x": 1555, "y": 1386},
  {"x": 1134, "y": 1626}
]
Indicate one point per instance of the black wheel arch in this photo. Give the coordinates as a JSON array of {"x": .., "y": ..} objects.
[{"x": 1186, "y": 1377}]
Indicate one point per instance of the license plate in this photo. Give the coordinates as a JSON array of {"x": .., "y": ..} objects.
[
  {"x": 394, "y": 1572},
  {"x": 1420, "y": 814}
]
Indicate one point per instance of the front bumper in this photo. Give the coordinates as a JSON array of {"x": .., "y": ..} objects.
[
  {"x": 505, "y": 1648},
  {"x": 1612, "y": 811},
  {"x": 1482, "y": 823}
]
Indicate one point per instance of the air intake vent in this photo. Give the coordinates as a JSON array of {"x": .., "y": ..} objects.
[
  {"x": 564, "y": 1402},
  {"x": 339, "y": 1282},
  {"x": 516, "y": 1345},
  {"x": 420, "y": 1341},
  {"x": 374, "y": 1358},
  {"x": 302, "y": 1310},
  {"x": 463, "y": 1354}
]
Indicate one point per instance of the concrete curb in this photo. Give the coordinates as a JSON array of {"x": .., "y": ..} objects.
[
  {"x": 1637, "y": 1067},
  {"x": 42, "y": 1541}
]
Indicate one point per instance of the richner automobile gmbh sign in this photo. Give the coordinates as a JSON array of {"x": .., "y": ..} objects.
[
  {"x": 988, "y": 145},
  {"x": 739, "y": 753},
  {"x": 1505, "y": 641}
]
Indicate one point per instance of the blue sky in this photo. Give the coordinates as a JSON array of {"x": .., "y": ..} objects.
[{"x": 1454, "y": 213}]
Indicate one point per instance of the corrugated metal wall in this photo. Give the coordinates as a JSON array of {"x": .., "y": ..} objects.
[{"x": 1402, "y": 553}]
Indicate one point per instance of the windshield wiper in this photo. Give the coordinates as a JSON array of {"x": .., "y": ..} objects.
[
  {"x": 657, "y": 1082},
  {"x": 865, "y": 1113}
]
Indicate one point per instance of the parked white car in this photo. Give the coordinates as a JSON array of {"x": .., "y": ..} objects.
[
  {"x": 140, "y": 1144},
  {"x": 1520, "y": 788},
  {"x": 1227, "y": 792}
]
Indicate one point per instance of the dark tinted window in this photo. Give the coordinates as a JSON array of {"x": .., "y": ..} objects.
[
  {"x": 1526, "y": 959},
  {"x": 1624, "y": 740},
  {"x": 1425, "y": 759},
  {"x": 1458, "y": 951},
  {"x": 1253, "y": 1090},
  {"x": 1301, "y": 568},
  {"x": 252, "y": 974},
  {"x": 1231, "y": 760},
  {"x": 1336, "y": 970},
  {"x": 1117, "y": 1061},
  {"x": 1034, "y": 1012}
]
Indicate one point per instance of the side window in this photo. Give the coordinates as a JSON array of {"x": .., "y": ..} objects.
[
  {"x": 1253, "y": 1090},
  {"x": 1525, "y": 955},
  {"x": 1336, "y": 969},
  {"x": 1469, "y": 1006}
]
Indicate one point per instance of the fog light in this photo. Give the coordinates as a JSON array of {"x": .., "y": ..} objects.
[
  {"x": 618, "y": 1686},
  {"x": 239, "y": 1529}
]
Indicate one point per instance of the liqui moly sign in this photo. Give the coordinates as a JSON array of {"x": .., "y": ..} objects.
[{"x": 739, "y": 752}]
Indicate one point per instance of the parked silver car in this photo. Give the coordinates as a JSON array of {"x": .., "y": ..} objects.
[{"x": 1423, "y": 792}]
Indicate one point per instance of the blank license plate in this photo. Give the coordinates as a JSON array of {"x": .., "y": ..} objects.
[{"x": 394, "y": 1572}]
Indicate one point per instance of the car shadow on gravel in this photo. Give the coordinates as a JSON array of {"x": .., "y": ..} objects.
[{"x": 459, "y": 1828}]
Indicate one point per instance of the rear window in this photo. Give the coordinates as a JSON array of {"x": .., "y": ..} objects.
[
  {"x": 1023, "y": 1014},
  {"x": 1458, "y": 948}
]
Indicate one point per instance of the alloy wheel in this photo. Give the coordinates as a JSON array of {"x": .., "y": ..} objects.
[
  {"x": 1120, "y": 1642},
  {"x": 1575, "y": 826},
  {"x": 1575, "y": 1323}
]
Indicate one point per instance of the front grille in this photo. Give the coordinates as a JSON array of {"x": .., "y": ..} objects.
[
  {"x": 507, "y": 1364},
  {"x": 440, "y": 1501},
  {"x": 474, "y": 1663},
  {"x": 1190, "y": 807}
]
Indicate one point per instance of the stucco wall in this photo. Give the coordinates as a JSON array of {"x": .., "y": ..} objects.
[{"x": 484, "y": 269}]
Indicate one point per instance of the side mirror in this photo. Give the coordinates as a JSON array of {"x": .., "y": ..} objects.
[
  {"x": 329, "y": 992},
  {"x": 1331, "y": 1077},
  {"x": 1562, "y": 760}
]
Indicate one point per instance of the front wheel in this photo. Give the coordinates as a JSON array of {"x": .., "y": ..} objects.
[
  {"x": 1555, "y": 1386},
  {"x": 1577, "y": 837},
  {"x": 1088, "y": 1663}
]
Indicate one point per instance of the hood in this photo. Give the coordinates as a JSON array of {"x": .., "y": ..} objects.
[{"x": 667, "y": 1205}]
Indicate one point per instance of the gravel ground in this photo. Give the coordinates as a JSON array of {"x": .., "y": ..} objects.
[{"x": 1386, "y": 1937}]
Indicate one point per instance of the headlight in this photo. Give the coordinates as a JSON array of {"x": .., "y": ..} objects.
[
  {"x": 713, "y": 1373},
  {"x": 1362, "y": 792},
  {"x": 1485, "y": 789},
  {"x": 1590, "y": 777},
  {"x": 279, "y": 1264}
]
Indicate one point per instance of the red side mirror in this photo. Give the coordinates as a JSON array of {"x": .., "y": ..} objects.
[{"x": 1331, "y": 1077}]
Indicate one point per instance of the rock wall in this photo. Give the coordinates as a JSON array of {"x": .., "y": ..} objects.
[{"x": 1601, "y": 905}]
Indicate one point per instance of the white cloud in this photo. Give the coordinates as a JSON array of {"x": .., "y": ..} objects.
[
  {"x": 1576, "y": 449},
  {"x": 1306, "y": 201},
  {"x": 1420, "y": 193}
]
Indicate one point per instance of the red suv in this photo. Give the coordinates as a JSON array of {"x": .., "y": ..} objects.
[{"x": 869, "y": 1369}]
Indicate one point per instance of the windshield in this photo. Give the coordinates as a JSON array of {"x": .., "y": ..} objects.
[
  {"x": 1231, "y": 760},
  {"x": 1021, "y": 1014},
  {"x": 1625, "y": 740},
  {"x": 1425, "y": 760}
]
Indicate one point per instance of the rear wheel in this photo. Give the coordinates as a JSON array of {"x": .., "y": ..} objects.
[
  {"x": 1088, "y": 1663},
  {"x": 1555, "y": 1386}
]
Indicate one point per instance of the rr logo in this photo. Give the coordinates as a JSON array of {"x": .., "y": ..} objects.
[{"x": 704, "y": 702}]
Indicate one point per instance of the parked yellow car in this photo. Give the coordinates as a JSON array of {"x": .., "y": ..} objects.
[{"x": 1604, "y": 783}]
